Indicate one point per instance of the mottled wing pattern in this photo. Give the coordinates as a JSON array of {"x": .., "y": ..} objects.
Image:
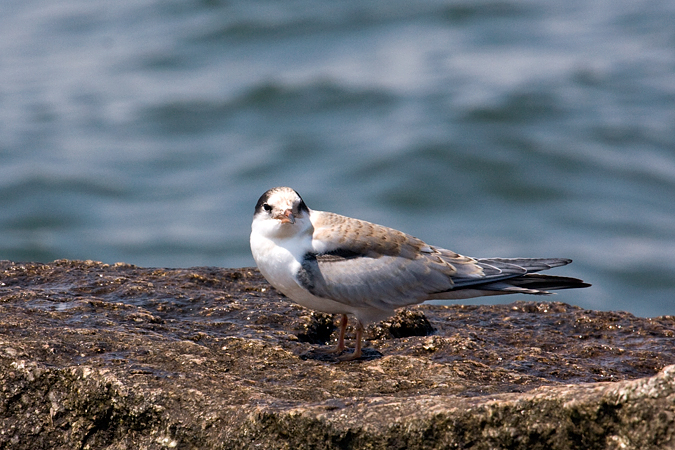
[
  {"x": 360, "y": 263},
  {"x": 357, "y": 262}
]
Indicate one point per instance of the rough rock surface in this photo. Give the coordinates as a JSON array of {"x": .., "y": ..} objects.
[{"x": 94, "y": 356}]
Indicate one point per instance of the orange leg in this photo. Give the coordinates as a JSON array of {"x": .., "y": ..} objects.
[
  {"x": 357, "y": 349},
  {"x": 341, "y": 339}
]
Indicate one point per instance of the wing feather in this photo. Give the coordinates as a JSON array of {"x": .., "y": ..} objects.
[{"x": 360, "y": 263}]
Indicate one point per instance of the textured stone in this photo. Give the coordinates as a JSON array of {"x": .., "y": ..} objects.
[{"x": 121, "y": 357}]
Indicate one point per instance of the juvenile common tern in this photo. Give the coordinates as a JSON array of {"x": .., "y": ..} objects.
[{"x": 340, "y": 265}]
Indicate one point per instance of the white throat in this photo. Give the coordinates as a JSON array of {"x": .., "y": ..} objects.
[{"x": 278, "y": 250}]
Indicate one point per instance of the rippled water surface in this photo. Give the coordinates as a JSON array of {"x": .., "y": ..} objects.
[{"x": 144, "y": 131}]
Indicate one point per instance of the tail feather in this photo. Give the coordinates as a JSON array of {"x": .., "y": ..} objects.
[
  {"x": 534, "y": 283},
  {"x": 509, "y": 276}
]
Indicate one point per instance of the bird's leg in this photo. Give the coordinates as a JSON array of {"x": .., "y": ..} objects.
[
  {"x": 357, "y": 350},
  {"x": 341, "y": 339}
]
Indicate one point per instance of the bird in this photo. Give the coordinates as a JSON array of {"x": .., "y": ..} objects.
[{"x": 340, "y": 265}]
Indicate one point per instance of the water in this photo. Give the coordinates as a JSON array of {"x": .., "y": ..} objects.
[{"x": 144, "y": 131}]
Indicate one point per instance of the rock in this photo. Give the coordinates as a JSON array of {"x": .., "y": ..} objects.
[{"x": 95, "y": 356}]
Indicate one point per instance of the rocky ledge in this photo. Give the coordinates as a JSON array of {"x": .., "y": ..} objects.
[{"x": 96, "y": 356}]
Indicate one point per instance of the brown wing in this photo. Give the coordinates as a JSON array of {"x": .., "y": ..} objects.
[
  {"x": 358, "y": 262},
  {"x": 363, "y": 264}
]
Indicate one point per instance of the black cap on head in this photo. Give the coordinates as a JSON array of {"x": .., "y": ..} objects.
[{"x": 262, "y": 201}]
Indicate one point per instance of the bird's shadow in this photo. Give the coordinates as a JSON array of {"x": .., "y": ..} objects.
[{"x": 318, "y": 354}]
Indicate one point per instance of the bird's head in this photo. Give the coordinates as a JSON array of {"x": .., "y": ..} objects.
[{"x": 281, "y": 210}]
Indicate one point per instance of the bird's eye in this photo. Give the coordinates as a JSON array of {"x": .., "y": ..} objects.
[{"x": 267, "y": 207}]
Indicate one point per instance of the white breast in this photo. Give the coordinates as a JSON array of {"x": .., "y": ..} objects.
[
  {"x": 277, "y": 263},
  {"x": 280, "y": 260}
]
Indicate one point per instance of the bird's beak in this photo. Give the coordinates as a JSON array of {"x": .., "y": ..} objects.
[{"x": 286, "y": 217}]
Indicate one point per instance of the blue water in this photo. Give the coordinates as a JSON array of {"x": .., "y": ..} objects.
[{"x": 144, "y": 131}]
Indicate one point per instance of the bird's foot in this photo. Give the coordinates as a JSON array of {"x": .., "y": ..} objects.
[
  {"x": 330, "y": 354},
  {"x": 367, "y": 354},
  {"x": 328, "y": 351},
  {"x": 351, "y": 356}
]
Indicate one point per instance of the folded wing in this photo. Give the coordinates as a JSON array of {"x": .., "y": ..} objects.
[{"x": 385, "y": 268}]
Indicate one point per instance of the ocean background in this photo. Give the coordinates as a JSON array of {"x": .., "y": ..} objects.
[{"x": 144, "y": 131}]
